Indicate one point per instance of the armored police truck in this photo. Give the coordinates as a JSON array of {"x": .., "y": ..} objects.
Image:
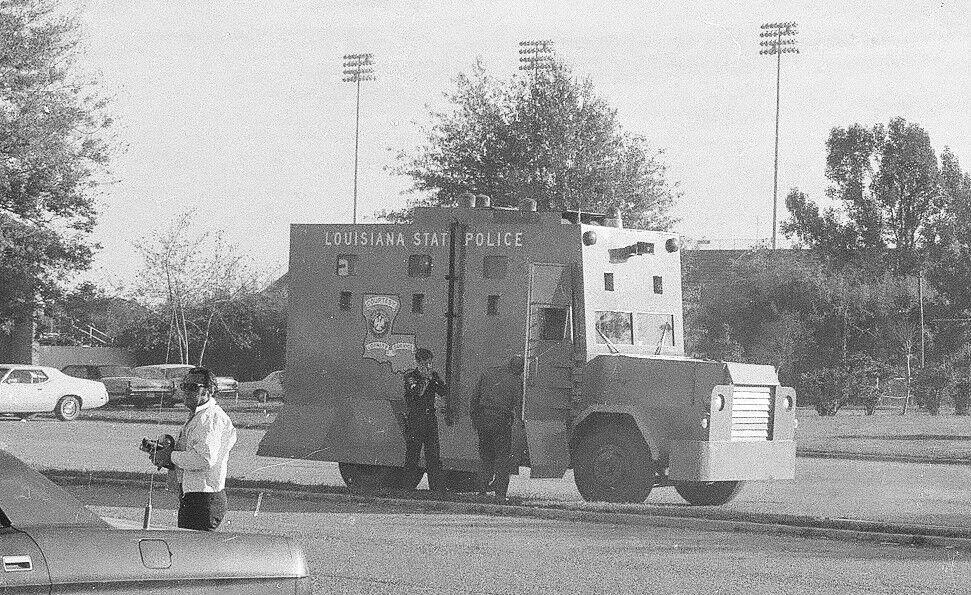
[{"x": 595, "y": 309}]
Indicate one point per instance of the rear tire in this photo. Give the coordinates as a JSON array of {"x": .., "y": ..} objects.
[
  {"x": 612, "y": 463},
  {"x": 460, "y": 481},
  {"x": 372, "y": 477},
  {"x": 708, "y": 493},
  {"x": 68, "y": 408}
]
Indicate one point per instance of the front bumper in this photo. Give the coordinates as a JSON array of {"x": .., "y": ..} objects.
[{"x": 696, "y": 460}]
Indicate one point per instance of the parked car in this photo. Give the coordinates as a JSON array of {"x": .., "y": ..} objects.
[
  {"x": 51, "y": 542},
  {"x": 270, "y": 387},
  {"x": 25, "y": 390},
  {"x": 126, "y": 387},
  {"x": 227, "y": 386}
]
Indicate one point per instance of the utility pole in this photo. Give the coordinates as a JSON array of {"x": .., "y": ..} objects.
[
  {"x": 357, "y": 68},
  {"x": 777, "y": 39}
]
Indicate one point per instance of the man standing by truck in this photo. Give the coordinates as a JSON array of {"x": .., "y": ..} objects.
[
  {"x": 422, "y": 385},
  {"x": 494, "y": 406}
]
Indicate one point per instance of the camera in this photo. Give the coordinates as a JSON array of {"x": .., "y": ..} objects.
[{"x": 165, "y": 441}]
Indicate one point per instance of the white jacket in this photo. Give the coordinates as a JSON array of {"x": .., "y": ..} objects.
[{"x": 201, "y": 454}]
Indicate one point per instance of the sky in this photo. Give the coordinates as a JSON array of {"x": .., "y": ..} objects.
[{"x": 237, "y": 110}]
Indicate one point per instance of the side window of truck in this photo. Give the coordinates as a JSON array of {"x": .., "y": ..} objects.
[
  {"x": 552, "y": 324},
  {"x": 615, "y": 328},
  {"x": 420, "y": 265},
  {"x": 346, "y": 265}
]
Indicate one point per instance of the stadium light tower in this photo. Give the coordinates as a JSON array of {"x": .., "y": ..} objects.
[
  {"x": 777, "y": 39},
  {"x": 536, "y": 55},
  {"x": 357, "y": 68}
]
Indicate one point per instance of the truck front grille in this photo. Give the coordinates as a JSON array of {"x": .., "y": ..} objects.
[{"x": 752, "y": 413}]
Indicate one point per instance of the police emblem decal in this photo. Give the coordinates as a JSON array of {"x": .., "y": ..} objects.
[{"x": 380, "y": 344}]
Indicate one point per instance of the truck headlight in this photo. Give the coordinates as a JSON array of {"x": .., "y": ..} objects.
[
  {"x": 787, "y": 403},
  {"x": 719, "y": 402},
  {"x": 704, "y": 422}
]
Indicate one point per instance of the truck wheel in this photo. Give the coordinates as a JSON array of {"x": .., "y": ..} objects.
[
  {"x": 372, "y": 477},
  {"x": 612, "y": 463},
  {"x": 708, "y": 493},
  {"x": 461, "y": 481},
  {"x": 68, "y": 408}
]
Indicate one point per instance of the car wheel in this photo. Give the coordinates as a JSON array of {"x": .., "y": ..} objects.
[
  {"x": 68, "y": 408},
  {"x": 612, "y": 463},
  {"x": 261, "y": 395},
  {"x": 708, "y": 493}
]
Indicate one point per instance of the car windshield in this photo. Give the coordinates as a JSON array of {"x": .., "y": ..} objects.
[
  {"x": 109, "y": 371},
  {"x": 28, "y": 499}
]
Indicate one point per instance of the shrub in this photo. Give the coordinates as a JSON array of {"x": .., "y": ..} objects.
[
  {"x": 824, "y": 388},
  {"x": 931, "y": 386},
  {"x": 962, "y": 396}
]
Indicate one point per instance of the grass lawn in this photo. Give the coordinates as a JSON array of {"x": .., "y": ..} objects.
[{"x": 886, "y": 433}]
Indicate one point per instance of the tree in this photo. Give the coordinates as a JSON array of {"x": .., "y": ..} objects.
[
  {"x": 547, "y": 137},
  {"x": 191, "y": 280},
  {"x": 884, "y": 181},
  {"x": 54, "y": 150}
]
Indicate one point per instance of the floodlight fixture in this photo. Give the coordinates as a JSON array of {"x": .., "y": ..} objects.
[
  {"x": 777, "y": 39},
  {"x": 357, "y": 68}
]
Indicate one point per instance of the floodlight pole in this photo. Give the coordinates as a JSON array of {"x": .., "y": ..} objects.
[
  {"x": 778, "y": 40},
  {"x": 357, "y": 68},
  {"x": 537, "y": 55}
]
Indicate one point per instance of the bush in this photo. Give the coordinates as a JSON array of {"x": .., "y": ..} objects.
[
  {"x": 931, "y": 386},
  {"x": 962, "y": 396},
  {"x": 824, "y": 388}
]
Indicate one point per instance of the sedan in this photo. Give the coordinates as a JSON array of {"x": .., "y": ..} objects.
[
  {"x": 50, "y": 542},
  {"x": 270, "y": 387},
  {"x": 124, "y": 386},
  {"x": 25, "y": 390},
  {"x": 226, "y": 385}
]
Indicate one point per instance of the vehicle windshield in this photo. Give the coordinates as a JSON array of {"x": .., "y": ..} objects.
[
  {"x": 28, "y": 499},
  {"x": 110, "y": 371}
]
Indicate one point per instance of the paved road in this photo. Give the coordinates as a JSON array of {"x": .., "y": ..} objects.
[
  {"x": 369, "y": 548},
  {"x": 892, "y": 492}
]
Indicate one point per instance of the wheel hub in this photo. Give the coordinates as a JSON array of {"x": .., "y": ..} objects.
[{"x": 608, "y": 467}]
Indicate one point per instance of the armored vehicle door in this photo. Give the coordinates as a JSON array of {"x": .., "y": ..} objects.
[{"x": 549, "y": 368}]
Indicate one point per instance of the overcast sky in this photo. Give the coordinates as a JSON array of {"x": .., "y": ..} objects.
[{"x": 236, "y": 109}]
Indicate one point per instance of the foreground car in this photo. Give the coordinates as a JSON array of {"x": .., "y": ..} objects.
[
  {"x": 125, "y": 387},
  {"x": 227, "y": 386},
  {"x": 25, "y": 390},
  {"x": 270, "y": 387},
  {"x": 50, "y": 542}
]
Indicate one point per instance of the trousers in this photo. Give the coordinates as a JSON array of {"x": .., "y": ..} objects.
[
  {"x": 202, "y": 511},
  {"x": 495, "y": 443},
  {"x": 421, "y": 432}
]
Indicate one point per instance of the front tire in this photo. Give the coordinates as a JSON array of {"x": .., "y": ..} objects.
[
  {"x": 612, "y": 463},
  {"x": 708, "y": 493},
  {"x": 68, "y": 408}
]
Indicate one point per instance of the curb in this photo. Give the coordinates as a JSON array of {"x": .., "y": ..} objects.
[
  {"x": 822, "y": 454},
  {"x": 700, "y": 518}
]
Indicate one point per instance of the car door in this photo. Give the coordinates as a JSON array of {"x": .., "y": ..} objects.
[
  {"x": 19, "y": 392},
  {"x": 24, "y": 567},
  {"x": 44, "y": 394}
]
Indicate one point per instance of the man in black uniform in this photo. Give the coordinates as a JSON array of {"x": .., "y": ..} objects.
[
  {"x": 421, "y": 425},
  {"x": 494, "y": 406}
]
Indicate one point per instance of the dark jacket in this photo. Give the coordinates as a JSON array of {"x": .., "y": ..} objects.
[
  {"x": 420, "y": 391},
  {"x": 499, "y": 391}
]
